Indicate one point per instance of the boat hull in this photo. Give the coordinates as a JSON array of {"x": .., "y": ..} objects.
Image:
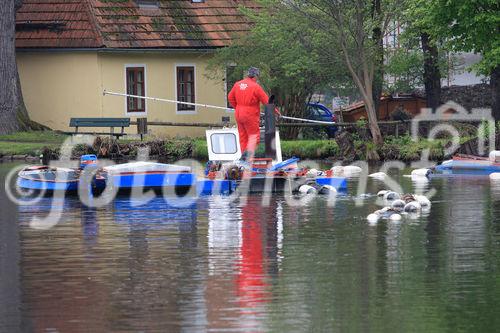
[
  {"x": 266, "y": 185},
  {"x": 45, "y": 179},
  {"x": 123, "y": 179},
  {"x": 468, "y": 166}
]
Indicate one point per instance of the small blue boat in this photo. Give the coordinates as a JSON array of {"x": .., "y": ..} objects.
[
  {"x": 467, "y": 164},
  {"x": 44, "y": 178}
]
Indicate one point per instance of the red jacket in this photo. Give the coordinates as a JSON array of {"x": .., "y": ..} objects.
[{"x": 246, "y": 97}]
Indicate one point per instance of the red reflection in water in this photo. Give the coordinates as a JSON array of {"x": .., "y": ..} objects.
[{"x": 252, "y": 278}]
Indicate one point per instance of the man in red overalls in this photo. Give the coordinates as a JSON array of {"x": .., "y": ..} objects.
[{"x": 246, "y": 97}]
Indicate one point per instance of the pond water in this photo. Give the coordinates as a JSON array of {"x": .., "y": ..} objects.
[{"x": 223, "y": 265}]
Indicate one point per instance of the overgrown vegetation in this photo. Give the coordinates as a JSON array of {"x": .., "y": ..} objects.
[{"x": 169, "y": 150}]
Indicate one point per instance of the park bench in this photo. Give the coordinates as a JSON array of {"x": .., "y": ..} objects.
[{"x": 100, "y": 122}]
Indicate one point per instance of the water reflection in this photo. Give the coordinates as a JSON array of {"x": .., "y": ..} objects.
[
  {"x": 466, "y": 228},
  {"x": 10, "y": 255},
  {"x": 219, "y": 264}
]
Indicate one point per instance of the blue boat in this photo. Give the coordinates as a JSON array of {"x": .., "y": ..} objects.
[
  {"x": 225, "y": 174},
  {"x": 165, "y": 177},
  {"x": 467, "y": 164},
  {"x": 181, "y": 180},
  {"x": 148, "y": 175}
]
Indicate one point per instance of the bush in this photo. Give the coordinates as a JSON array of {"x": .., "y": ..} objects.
[{"x": 178, "y": 149}]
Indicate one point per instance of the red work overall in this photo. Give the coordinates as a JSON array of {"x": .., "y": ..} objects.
[{"x": 246, "y": 97}]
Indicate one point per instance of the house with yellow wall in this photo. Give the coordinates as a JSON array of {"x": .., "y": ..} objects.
[{"x": 70, "y": 51}]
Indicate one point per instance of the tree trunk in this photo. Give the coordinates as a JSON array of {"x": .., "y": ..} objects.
[
  {"x": 378, "y": 78},
  {"x": 495, "y": 94},
  {"x": 372, "y": 123},
  {"x": 432, "y": 75},
  {"x": 13, "y": 114},
  {"x": 294, "y": 106}
]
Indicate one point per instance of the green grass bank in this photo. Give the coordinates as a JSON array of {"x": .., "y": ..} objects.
[{"x": 30, "y": 145}]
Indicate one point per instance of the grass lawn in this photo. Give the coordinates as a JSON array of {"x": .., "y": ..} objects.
[
  {"x": 29, "y": 143},
  {"x": 34, "y": 137}
]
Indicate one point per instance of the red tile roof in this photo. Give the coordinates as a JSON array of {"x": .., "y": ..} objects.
[
  {"x": 68, "y": 25},
  {"x": 122, "y": 24}
]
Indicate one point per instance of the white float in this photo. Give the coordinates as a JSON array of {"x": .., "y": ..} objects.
[
  {"x": 352, "y": 170},
  {"x": 378, "y": 175},
  {"x": 395, "y": 217},
  {"x": 494, "y": 156},
  {"x": 495, "y": 176},
  {"x": 420, "y": 172},
  {"x": 398, "y": 205},
  {"x": 307, "y": 189},
  {"x": 313, "y": 173},
  {"x": 382, "y": 193},
  {"x": 373, "y": 218},
  {"x": 413, "y": 207},
  {"x": 422, "y": 200},
  {"x": 391, "y": 196},
  {"x": 327, "y": 189}
]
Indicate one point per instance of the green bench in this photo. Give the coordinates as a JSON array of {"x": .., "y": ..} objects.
[{"x": 100, "y": 122}]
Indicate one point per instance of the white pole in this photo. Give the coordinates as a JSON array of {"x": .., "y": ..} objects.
[
  {"x": 206, "y": 106},
  {"x": 166, "y": 100},
  {"x": 308, "y": 120}
]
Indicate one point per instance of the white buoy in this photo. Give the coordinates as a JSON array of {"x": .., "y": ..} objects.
[
  {"x": 312, "y": 173},
  {"x": 495, "y": 156},
  {"x": 307, "y": 189},
  {"x": 352, "y": 170},
  {"x": 373, "y": 218},
  {"x": 378, "y": 175},
  {"x": 495, "y": 176},
  {"x": 395, "y": 217},
  {"x": 422, "y": 200},
  {"x": 398, "y": 205},
  {"x": 382, "y": 211},
  {"x": 412, "y": 207},
  {"x": 391, "y": 196},
  {"x": 337, "y": 170},
  {"x": 382, "y": 193},
  {"x": 419, "y": 180},
  {"x": 327, "y": 189},
  {"x": 421, "y": 172}
]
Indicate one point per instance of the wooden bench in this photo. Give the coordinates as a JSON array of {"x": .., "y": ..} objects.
[{"x": 100, "y": 122}]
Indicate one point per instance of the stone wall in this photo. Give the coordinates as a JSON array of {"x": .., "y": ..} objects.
[
  {"x": 476, "y": 96},
  {"x": 473, "y": 96}
]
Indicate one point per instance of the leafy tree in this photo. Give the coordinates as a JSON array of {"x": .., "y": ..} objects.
[
  {"x": 356, "y": 27},
  {"x": 405, "y": 70},
  {"x": 405, "y": 66},
  {"x": 466, "y": 26},
  {"x": 290, "y": 53}
]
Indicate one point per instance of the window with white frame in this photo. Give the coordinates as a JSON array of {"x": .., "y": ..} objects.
[
  {"x": 135, "y": 86},
  {"x": 185, "y": 87}
]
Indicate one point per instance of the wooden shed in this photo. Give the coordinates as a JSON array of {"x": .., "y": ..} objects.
[{"x": 411, "y": 104}]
